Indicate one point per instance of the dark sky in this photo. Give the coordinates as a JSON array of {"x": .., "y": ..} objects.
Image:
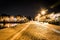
[{"x": 24, "y": 7}]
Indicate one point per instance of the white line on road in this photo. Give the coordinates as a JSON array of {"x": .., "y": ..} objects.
[
  {"x": 16, "y": 35},
  {"x": 33, "y": 22}
]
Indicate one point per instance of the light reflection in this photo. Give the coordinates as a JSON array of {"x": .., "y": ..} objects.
[
  {"x": 12, "y": 18},
  {"x": 9, "y": 24}
]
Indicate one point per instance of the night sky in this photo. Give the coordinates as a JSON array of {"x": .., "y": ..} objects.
[{"x": 24, "y": 7}]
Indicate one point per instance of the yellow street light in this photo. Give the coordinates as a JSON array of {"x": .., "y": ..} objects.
[{"x": 43, "y": 11}]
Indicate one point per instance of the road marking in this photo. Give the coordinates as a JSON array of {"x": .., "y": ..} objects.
[
  {"x": 32, "y": 22},
  {"x": 15, "y": 36}
]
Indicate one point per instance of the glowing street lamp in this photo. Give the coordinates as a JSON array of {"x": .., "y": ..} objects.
[{"x": 43, "y": 11}]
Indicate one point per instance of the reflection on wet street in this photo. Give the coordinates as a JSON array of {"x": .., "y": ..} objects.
[
  {"x": 8, "y": 24},
  {"x": 36, "y": 31},
  {"x": 31, "y": 31}
]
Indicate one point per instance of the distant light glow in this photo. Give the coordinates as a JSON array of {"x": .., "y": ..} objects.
[
  {"x": 37, "y": 18},
  {"x": 43, "y": 12},
  {"x": 51, "y": 15},
  {"x": 55, "y": 16}
]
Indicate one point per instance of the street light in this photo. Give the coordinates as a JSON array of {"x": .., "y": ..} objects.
[{"x": 43, "y": 11}]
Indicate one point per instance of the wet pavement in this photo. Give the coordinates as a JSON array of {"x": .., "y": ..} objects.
[{"x": 31, "y": 31}]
